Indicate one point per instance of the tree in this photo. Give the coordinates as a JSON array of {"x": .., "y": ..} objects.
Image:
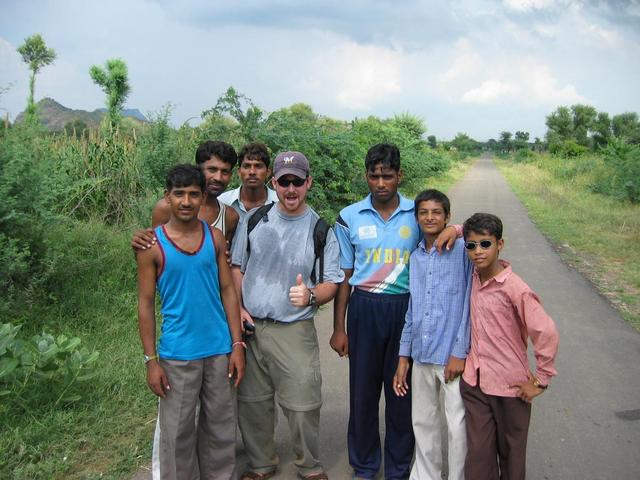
[
  {"x": 521, "y": 139},
  {"x": 560, "y": 126},
  {"x": 537, "y": 145},
  {"x": 413, "y": 125},
  {"x": 505, "y": 141},
  {"x": 35, "y": 53},
  {"x": 242, "y": 109},
  {"x": 626, "y": 127},
  {"x": 431, "y": 140},
  {"x": 463, "y": 143},
  {"x": 584, "y": 117},
  {"x": 114, "y": 81},
  {"x": 601, "y": 130}
]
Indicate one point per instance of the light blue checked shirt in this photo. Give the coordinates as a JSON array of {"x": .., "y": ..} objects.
[{"x": 436, "y": 325}]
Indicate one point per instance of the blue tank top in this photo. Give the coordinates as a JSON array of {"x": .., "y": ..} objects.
[{"x": 194, "y": 324}]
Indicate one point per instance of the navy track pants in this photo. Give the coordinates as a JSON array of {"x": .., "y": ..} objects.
[{"x": 374, "y": 327}]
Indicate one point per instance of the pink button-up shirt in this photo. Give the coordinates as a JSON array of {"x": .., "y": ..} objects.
[{"x": 505, "y": 312}]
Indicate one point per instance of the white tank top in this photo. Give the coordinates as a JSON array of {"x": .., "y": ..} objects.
[{"x": 220, "y": 222}]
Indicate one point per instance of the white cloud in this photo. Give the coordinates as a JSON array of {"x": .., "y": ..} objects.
[
  {"x": 542, "y": 88},
  {"x": 527, "y": 5},
  {"x": 527, "y": 82},
  {"x": 355, "y": 76},
  {"x": 491, "y": 91},
  {"x": 11, "y": 62},
  {"x": 546, "y": 31},
  {"x": 467, "y": 62},
  {"x": 601, "y": 35},
  {"x": 486, "y": 79}
]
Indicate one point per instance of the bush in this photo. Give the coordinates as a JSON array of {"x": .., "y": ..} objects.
[
  {"x": 568, "y": 149},
  {"x": 622, "y": 161},
  {"x": 43, "y": 370},
  {"x": 523, "y": 155}
]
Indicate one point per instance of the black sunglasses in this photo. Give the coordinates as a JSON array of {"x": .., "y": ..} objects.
[
  {"x": 484, "y": 244},
  {"x": 285, "y": 182}
]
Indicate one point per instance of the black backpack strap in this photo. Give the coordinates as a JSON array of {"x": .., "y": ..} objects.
[
  {"x": 252, "y": 221},
  {"x": 320, "y": 232}
]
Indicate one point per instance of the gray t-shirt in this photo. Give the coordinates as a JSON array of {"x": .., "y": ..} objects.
[{"x": 281, "y": 248}]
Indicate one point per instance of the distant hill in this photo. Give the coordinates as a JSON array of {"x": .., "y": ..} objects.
[
  {"x": 55, "y": 116},
  {"x": 128, "y": 112}
]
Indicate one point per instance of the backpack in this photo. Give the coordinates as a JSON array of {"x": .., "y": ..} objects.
[{"x": 320, "y": 231}]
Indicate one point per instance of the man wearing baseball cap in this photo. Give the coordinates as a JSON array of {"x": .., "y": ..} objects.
[{"x": 273, "y": 262}]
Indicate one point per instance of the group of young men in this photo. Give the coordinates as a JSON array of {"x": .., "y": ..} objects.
[{"x": 458, "y": 310}]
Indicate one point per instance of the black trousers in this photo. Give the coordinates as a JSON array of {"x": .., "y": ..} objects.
[{"x": 374, "y": 327}]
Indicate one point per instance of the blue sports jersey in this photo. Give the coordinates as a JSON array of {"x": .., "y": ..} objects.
[
  {"x": 378, "y": 251},
  {"x": 194, "y": 324}
]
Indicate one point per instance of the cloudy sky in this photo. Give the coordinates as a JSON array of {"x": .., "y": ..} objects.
[{"x": 471, "y": 66}]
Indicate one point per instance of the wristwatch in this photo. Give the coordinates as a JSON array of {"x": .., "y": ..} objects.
[
  {"x": 312, "y": 298},
  {"x": 148, "y": 358},
  {"x": 536, "y": 383}
]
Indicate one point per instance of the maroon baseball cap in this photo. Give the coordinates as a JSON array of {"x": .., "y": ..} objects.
[{"x": 291, "y": 163}]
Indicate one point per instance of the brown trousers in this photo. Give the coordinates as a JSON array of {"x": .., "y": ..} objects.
[
  {"x": 497, "y": 429},
  {"x": 208, "y": 451}
]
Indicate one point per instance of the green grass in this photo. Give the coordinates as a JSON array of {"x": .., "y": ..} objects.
[
  {"x": 108, "y": 433},
  {"x": 599, "y": 235}
]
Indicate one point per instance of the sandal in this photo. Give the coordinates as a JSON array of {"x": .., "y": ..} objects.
[
  {"x": 249, "y": 475},
  {"x": 316, "y": 476}
]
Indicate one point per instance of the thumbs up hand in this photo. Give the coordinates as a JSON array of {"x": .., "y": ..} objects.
[{"x": 299, "y": 293}]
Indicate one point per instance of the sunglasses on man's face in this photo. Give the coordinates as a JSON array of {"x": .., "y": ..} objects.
[
  {"x": 484, "y": 244},
  {"x": 285, "y": 182}
]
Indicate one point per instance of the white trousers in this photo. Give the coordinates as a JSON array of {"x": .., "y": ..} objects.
[{"x": 426, "y": 382}]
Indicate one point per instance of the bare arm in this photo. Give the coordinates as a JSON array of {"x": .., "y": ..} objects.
[
  {"x": 339, "y": 340},
  {"x": 147, "y": 266},
  {"x": 231, "y": 221},
  {"x": 245, "y": 316},
  {"x": 325, "y": 292},
  {"x": 231, "y": 308}
]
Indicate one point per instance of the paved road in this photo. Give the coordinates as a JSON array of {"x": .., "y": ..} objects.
[{"x": 587, "y": 426}]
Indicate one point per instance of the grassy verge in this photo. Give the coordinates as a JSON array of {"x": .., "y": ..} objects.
[
  {"x": 108, "y": 433},
  {"x": 598, "y": 235}
]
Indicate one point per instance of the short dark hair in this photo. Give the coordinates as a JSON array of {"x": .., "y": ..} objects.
[
  {"x": 483, "y": 223},
  {"x": 255, "y": 151},
  {"x": 385, "y": 153},
  {"x": 184, "y": 175},
  {"x": 221, "y": 150},
  {"x": 436, "y": 196}
]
